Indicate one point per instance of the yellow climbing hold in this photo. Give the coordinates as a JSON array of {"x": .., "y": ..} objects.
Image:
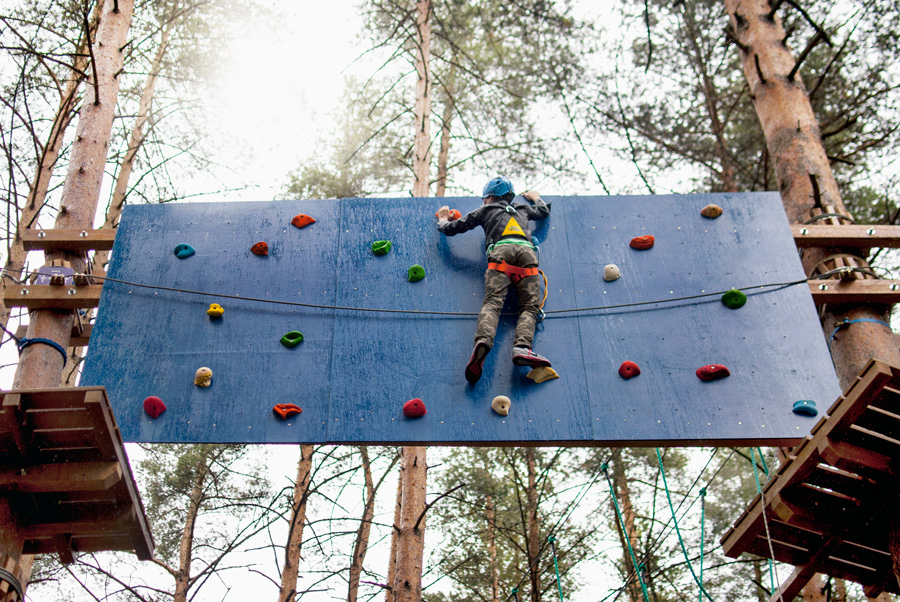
[
  {"x": 215, "y": 311},
  {"x": 203, "y": 377},
  {"x": 542, "y": 373},
  {"x": 513, "y": 228}
]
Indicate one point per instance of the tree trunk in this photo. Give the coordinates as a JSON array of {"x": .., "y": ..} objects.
[
  {"x": 493, "y": 567},
  {"x": 40, "y": 366},
  {"x": 186, "y": 545},
  {"x": 814, "y": 590},
  {"x": 407, "y": 584},
  {"x": 804, "y": 174},
  {"x": 291, "y": 569},
  {"x": 37, "y": 194},
  {"x": 446, "y": 120},
  {"x": 623, "y": 494},
  {"x": 395, "y": 537},
  {"x": 758, "y": 576},
  {"x": 422, "y": 143},
  {"x": 365, "y": 526},
  {"x": 533, "y": 527}
]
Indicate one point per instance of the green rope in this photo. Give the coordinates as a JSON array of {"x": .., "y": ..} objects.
[
  {"x": 763, "y": 506},
  {"x": 515, "y": 594},
  {"x": 702, "y": 525},
  {"x": 552, "y": 541},
  {"x": 763, "y": 460},
  {"x": 634, "y": 562},
  {"x": 662, "y": 471}
]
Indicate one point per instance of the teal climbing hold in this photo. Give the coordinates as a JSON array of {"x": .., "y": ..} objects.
[
  {"x": 184, "y": 250},
  {"x": 292, "y": 339},
  {"x": 734, "y": 299},
  {"x": 381, "y": 247},
  {"x": 805, "y": 407},
  {"x": 416, "y": 273}
]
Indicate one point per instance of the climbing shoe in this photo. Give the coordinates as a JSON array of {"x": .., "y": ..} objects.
[
  {"x": 523, "y": 356},
  {"x": 473, "y": 368}
]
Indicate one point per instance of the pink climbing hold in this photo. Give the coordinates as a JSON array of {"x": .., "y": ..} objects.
[
  {"x": 712, "y": 372},
  {"x": 154, "y": 406},
  {"x": 642, "y": 243},
  {"x": 260, "y": 248},
  {"x": 414, "y": 408},
  {"x": 629, "y": 370}
]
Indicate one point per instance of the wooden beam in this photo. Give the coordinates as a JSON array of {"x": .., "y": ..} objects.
[
  {"x": 855, "y": 291},
  {"x": 852, "y": 457},
  {"x": 79, "y": 339},
  {"x": 10, "y": 416},
  {"x": 41, "y": 296},
  {"x": 854, "y": 236},
  {"x": 802, "y": 574},
  {"x": 71, "y": 240},
  {"x": 70, "y": 476}
]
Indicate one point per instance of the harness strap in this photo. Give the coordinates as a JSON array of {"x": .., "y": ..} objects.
[
  {"x": 511, "y": 241},
  {"x": 515, "y": 273}
]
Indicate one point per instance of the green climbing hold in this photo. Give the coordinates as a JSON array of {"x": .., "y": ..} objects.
[
  {"x": 381, "y": 247},
  {"x": 416, "y": 273},
  {"x": 734, "y": 299},
  {"x": 292, "y": 339}
]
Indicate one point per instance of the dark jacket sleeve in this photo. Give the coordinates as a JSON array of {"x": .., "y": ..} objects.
[
  {"x": 464, "y": 224},
  {"x": 538, "y": 210}
]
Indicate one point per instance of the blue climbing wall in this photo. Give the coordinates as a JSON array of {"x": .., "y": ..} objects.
[{"x": 354, "y": 369}]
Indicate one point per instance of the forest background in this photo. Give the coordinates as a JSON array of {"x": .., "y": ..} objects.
[{"x": 243, "y": 100}]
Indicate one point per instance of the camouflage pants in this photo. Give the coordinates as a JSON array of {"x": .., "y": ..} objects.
[{"x": 496, "y": 285}]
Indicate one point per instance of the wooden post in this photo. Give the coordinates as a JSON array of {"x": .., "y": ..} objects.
[
  {"x": 40, "y": 366},
  {"x": 407, "y": 585},
  {"x": 422, "y": 144},
  {"x": 288, "y": 591}
]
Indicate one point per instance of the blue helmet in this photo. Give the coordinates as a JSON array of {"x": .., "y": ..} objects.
[{"x": 498, "y": 187}]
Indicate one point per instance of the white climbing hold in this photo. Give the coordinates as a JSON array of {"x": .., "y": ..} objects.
[
  {"x": 203, "y": 377},
  {"x": 501, "y": 405},
  {"x": 611, "y": 272}
]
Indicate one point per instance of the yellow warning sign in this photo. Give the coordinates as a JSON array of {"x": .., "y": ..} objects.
[{"x": 513, "y": 228}]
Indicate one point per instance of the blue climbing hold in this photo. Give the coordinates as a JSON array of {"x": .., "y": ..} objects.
[
  {"x": 805, "y": 407},
  {"x": 184, "y": 250}
]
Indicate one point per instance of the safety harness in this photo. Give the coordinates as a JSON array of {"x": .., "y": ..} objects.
[{"x": 515, "y": 273}]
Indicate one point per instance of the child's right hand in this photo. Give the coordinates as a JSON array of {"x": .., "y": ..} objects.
[{"x": 443, "y": 213}]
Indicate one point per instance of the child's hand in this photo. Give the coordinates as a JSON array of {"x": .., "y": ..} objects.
[
  {"x": 531, "y": 195},
  {"x": 443, "y": 213}
]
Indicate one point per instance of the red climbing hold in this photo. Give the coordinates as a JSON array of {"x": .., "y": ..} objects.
[
  {"x": 712, "y": 372},
  {"x": 286, "y": 410},
  {"x": 642, "y": 243},
  {"x": 154, "y": 406},
  {"x": 302, "y": 220},
  {"x": 628, "y": 370},
  {"x": 454, "y": 214},
  {"x": 414, "y": 408},
  {"x": 260, "y": 248}
]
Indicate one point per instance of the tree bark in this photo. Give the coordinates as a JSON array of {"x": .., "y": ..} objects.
[
  {"x": 804, "y": 173},
  {"x": 186, "y": 545},
  {"x": 533, "y": 527},
  {"x": 407, "y": 583},
  {"x": 422, "y": 143},
  {"x": 623, "y": 493},
  {"x": 446, "y": 120},
  {"x": 291, "y": 569},
  {"x": 395, "y": 538},
  {"x": 493, "y": 567},
  {"x": 365, "y": 526},
  {"x": 758, "y": 576},
  {"x": 37, "y": 193}
]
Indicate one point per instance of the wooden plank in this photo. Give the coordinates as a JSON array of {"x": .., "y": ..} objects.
[
  {"x": 82, "y": 476},
  {"x": 80, "y": 337},
  {"x": 59, "y": 419},
  {"x": 40, "y": 296},
  {"x": 63, "y": 544},
  {"x": 853, "y": 236},
  {"x": 852, "y": 457},
  {"x": 10, "y": 422},
  {"x": 70, "y": 240},
  {"x": 854, "y": 291},
  {"x": 802, "y": 574},
  {"x": 98, "y": 526}
]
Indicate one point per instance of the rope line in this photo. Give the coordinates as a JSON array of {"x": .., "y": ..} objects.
[
  {"x": 702, "y": 530},
  {"x": 662, "y": 472},
  {"x": 23, "y": 343},
  {"x": 845, "y": 323},
  {"x": 776, "y": 285},
  {"x": 637, "y": 568},
  {"x": 773, "y": 575},
  {"x": 552, "y": 541}
]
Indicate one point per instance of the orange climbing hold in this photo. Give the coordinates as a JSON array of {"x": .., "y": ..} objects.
[
  {"x": 642, "y": 243},
  {"x": 286, "y": 410},
  {"x": 260, "y": 248},
  {"x": 302, "y": 220}
]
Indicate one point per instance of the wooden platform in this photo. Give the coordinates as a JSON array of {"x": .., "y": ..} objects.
[
  {"x": 829, "y": 507},
  {"x": 64, "y": 469}
]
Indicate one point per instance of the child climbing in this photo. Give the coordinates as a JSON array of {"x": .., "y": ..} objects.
[{"x": 512, "y": 258}]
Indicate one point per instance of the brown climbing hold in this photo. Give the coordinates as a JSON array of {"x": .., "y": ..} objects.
[
  {"x": 642, "y": 243},
  {"x": 154, "y": 406},
  {"x": 260, "y": 248},
  {"x": 711, "y": 211},
  {"x": 414, "y": 408},
  {"x": 712, "y": 372},
  {"x": 286, "y": 410},
  {"x": 302, "y": 220},
  {"x": 629, "y": 370}
]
